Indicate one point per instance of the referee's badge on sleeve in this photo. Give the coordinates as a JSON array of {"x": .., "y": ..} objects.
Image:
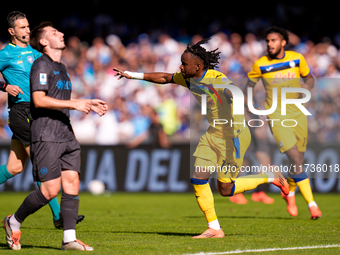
[{"x": 43, "y": 78}]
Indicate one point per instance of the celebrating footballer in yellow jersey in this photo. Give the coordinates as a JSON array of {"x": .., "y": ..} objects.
[
  {"x": 221, "y": 145},
  {"x": 278, "y": 69}
]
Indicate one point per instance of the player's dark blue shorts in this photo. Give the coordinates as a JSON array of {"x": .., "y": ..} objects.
[{"x": 50, "y": 158}]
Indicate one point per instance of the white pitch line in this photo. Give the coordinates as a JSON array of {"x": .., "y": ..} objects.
[{"x": 269, "y": 249}]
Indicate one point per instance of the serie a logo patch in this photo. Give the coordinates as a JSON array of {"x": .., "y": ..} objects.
[{"x": 43, "y": 79}]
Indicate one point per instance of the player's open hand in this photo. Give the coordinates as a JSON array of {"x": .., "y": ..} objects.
[
  {"x": 99, "y": 106},
  {"x": 83, "y": 105},
  {"x": 121, "y": 74},
  {"x": 13, "y": 90}
]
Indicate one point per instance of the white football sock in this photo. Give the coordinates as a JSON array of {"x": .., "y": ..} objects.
[
  {"x": 271, "y": 177},
  {"x": 291, "y": 194},
  {"x": 312, "y": 204},
  {"x": 214, "y": 225},
  {"x": 69, "y": 235},
  {"x": 14, "y": 224}
]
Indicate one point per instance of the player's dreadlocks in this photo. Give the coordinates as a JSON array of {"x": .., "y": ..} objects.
[{"x": 210, "y": 58}]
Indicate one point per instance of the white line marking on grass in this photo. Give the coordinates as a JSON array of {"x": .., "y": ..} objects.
[{"x": 270, "y": 249}]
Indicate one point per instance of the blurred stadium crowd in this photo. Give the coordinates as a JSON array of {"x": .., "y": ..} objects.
[{"x": 133, "y": 102}]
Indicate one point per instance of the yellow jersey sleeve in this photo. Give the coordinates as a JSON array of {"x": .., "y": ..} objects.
[
  {"x": 179, "y": 79},
  {"x": 255, "y": 74},
  {"x": 304, "y": 69}
]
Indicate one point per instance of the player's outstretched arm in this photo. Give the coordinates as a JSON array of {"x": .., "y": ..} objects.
[{"x": 160, "y": 78}]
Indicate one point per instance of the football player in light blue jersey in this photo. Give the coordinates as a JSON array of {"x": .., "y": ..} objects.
[{"x": 16, "y": 60}]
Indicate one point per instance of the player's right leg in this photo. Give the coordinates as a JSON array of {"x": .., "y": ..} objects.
[
  {"x": 32, "y": 203},
  {"x": 12, "y": 237},
  {"x": 16, "y": 162},
  {"x": 205, "y": 198},
  {"x": 206, "y": 157}
]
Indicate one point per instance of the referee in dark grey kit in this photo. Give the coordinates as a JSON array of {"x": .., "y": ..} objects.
[{"x": 55, "y": 152}]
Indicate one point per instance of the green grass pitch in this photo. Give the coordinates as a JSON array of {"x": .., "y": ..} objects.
[{"x": 150, "y": 223}]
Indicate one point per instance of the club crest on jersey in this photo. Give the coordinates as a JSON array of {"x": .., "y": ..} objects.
[{"x": 43, "y": 78}]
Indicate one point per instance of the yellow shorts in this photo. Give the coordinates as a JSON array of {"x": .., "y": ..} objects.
[
  {"x": 224, "y": 155},
  {"x": 287, "y": 137}
]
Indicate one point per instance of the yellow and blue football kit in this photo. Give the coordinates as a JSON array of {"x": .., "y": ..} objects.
[
  {"x": 279, "y": 73},
  {"x": 222, "y": 145}
]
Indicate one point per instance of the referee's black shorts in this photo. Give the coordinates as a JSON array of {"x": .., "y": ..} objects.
[{"x": 19, "y": 119}]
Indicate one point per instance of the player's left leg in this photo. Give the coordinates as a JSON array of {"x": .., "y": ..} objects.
[
  {"x": 300, "y": 178},
  {"x": 69, "y": 204},
  {"x": 229, "y": 185},
  {"x": 69, "y": 209}
]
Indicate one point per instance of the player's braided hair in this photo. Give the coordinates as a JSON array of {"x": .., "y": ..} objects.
[
  {"x": 210, "y": 58},
  {"x": 280, "y": 31}
]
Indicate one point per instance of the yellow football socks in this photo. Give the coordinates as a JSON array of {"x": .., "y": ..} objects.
[
  {"x": 292, "y": 185},
  {"x": 306, "y": 190},
  {"x": 302, "y": 181},
  {"x": 249, "y": 182},
  {"x": 205, "y": 198}
]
